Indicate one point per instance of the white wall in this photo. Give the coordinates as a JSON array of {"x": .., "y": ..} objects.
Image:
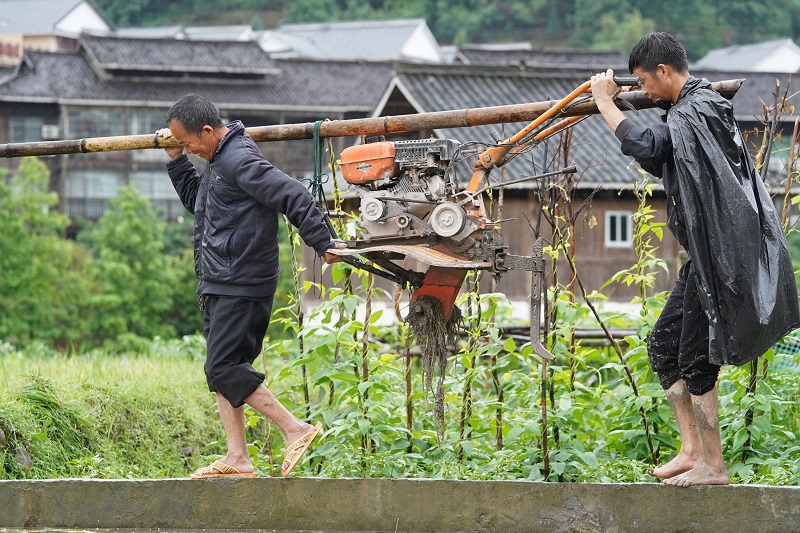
[
  {"x": 82, "y": 17},
  {"x": 422, "y": 46}
]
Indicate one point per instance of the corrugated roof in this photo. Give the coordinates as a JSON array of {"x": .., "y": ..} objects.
[
  {"x": 368, "y": 40},
  {"x": 746, "y": 57},
  {"x": 129, "y": 54},
  {"x": 150, "y": 32},
  {"x": 525, "y": 54},
  {"x": 306, "y": 85}
]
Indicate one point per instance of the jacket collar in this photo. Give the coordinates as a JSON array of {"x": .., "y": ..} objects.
[{"x": 234, "y": 128}]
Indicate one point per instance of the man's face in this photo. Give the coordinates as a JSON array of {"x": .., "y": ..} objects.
[
  {"x": 652, "y": 83},
  {"x": 201, "y": 144}
]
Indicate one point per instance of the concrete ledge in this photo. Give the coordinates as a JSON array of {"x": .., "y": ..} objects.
[{"x": 390, "y": 505}]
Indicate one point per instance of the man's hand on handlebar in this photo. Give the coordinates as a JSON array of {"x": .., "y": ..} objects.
[
  {"x": 173, "y": 152},
  {"x": 603, "y": 87}
]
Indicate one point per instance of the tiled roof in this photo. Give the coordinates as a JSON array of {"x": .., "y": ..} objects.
[
  {"x": 238, "y": 32},
  {"x": 747, "y": 57},
  {"x": 329, "y": 87},
  {"x": 355, "y": 85},
  {"x": 380, "y": 40},
  {"x": 130, "y": 54},
  {"x": 595, "y": 149},
  {"x": 151, "y": 32},
  {"x": 525, "y": 54},
  {"x": 5, "y": 72},
  {"x": 757, "y": 87}
]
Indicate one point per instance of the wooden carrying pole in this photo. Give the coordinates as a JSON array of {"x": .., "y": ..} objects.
[{"x": 461, "y": 118}]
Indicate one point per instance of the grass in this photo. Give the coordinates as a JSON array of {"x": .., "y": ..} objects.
[
  {"x": 150, "y": 415},
  {"x": 97, "y": 415}
]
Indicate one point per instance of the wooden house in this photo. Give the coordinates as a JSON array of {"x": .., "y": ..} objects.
[
  {"x": 115, "y": 86},
  {"x": 120, "y": 86}
]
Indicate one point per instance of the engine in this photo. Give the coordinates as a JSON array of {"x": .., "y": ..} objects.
[{"x": 405, "y": 189}]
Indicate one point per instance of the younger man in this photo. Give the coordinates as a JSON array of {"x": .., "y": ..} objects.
[{"x": 736, "y": 295}]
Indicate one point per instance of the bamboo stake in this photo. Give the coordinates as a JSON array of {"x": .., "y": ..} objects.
[{"x": 461, "y": 118}]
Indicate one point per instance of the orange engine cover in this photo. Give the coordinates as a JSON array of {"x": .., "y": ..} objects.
[{"x": 366, "y": 163}]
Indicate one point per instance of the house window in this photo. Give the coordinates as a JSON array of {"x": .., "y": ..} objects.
[
  {"x": 88, "y": 192},
  {"x": 95, "y": 123},
  {"x": 144, "y": 122},
  {"x": 92, "y": 184},
  {"x": 26, "y": 129},
  {"x": 618, "y": 229},
  {"x": 154, "y": 185},
  {"x": 87, "y": 123}
]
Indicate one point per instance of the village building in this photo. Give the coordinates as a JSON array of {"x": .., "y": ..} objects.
[
  {"x": 55, "y": 27},
  {"x": 115, "y": 86},
  {"x": 524, "y": 54},
  {"x": 110, "y": 85},
  {"x": 780, "y": 55},
  {"x": 380, "y": 40}
]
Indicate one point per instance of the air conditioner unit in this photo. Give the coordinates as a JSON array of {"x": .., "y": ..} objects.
[{"x": 50, "y": 132}]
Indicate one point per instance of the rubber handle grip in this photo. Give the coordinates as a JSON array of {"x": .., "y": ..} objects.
[{"x": 627, "y": 81}]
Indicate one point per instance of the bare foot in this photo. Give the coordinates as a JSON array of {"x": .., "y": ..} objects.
[
  {"x": 678, "y": 465},
  {"x": 298, "y": 432},
  {"x": 241, "y": 464},
  {"x": 295, "y": 451},
  {"x": 702, "y": 474},
  {"x": 224, "y": 468}
]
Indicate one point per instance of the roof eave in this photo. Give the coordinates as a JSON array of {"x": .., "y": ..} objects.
[
  {"x": 196, "y": 70},
  {"x": 160, "y": 103}
]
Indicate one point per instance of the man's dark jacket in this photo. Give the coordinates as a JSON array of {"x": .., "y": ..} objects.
[
  {"x": 236, "y": 202},
  {"x": 720, "y": 211}
]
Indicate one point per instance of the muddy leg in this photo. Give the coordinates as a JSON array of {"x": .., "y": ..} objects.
[
  {"x": 691, "y": 444},
  {"x": 710, "y": 469}
]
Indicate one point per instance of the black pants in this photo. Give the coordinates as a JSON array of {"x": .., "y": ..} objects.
[
  {"x": 678, "y": 345},
  {"x": 234, "y": 329}
]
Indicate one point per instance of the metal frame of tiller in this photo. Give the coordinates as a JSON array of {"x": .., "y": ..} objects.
[{"x": 447, "y": 270}]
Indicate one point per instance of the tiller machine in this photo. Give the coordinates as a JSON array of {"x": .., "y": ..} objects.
[{"x": 413, "y": 206}]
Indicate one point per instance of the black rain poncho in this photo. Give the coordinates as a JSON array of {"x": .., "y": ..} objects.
[{"x": 732, "y": 231}]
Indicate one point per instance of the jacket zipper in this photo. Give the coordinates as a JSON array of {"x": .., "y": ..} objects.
[{"x": 204, "y": 243}]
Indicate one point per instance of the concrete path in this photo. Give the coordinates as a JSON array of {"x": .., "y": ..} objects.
[{"x": 395, "y": 505}]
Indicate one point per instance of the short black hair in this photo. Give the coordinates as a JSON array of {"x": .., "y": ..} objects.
[
  {"x": 193, "y": 112},
  {"x": 657, "y": 48}
]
